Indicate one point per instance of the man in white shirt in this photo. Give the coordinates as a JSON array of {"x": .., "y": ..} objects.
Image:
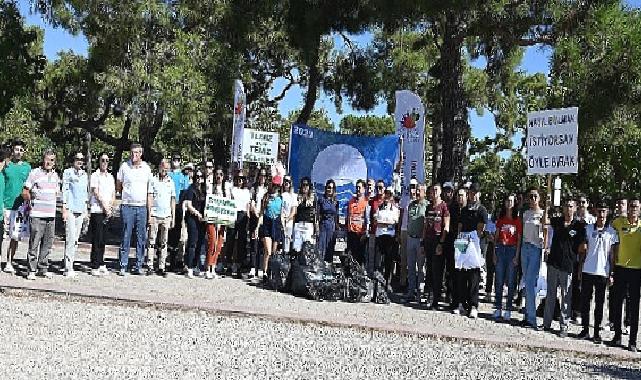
[
  {"x": 161, "y": 207},
  {"x": 101, "y": 203},
  {"x": 133, "y": 181},
  {"x": 597, "y": 265}
]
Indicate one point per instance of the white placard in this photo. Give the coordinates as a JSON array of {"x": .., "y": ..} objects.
[
  {"x": 220, "y": 210},
  {"x": 260, "y": 146},
  {"x": 552, "y": 141}
]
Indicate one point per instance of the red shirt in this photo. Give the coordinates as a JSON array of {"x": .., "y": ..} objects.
[
  {"x": 374, "y": 204},
  {"x": 434, "y": 216},
  {"x": 509, "y": 230}
]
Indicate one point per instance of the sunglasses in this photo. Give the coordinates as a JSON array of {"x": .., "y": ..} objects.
[
  {"x": 305, "y": 184},
  {"x": 380, "y": 187},
  {"x": 329, "y": 187},
  {"x": 21, "y": 150},
  {"x": 534, "y": 196},
  {"x": 104, "y": 160}
]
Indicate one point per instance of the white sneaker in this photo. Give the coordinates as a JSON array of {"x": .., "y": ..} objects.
[
  {"x": 70, "y": 273},
  {"x": 47, "y": 274},
  {"x": 31, "y": 276},
  {"x": 260, "y": 273},
  {"x": 103, "y": 269},
  {"x": 507, "y": 315},
  {"x": 497, "y": 314},
  {"x": 9, "y": 268},
  {"x": 474, "y": 313},
  {"x": 209, "y": 275},
  {"x": 459, "y": 310},
  {"x": 190, "y": 273},
  {"x": 252, "y": 272},
  {"x": 96, "y": 272}
]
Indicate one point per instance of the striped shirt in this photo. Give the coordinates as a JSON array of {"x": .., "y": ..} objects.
[{"x": 44, "y": 187}]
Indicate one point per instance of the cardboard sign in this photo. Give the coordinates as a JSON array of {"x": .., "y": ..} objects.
[
  {"x": 219, "y": 210},
  {"x": 552, "y": 141},
  {"x": 259, "y": 146}
]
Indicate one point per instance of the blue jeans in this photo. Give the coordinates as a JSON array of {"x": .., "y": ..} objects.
[
  {"x": 530, "y": 265},
  {"x": 504, "y": 271},
  {"x": 325, "y": 239},
  {"x": 196, "y": 244},
  {"x": 133, "y": 216}
]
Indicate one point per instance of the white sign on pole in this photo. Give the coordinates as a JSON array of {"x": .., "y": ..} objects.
[
  {"x": 409, "y": 118},
  {"x": 219, "y": 210},
  {"x": 260, "y": 146},
  {"x": 552, "y": 141}
]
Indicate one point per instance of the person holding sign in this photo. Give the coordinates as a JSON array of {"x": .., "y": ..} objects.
[
  {"x": 269, "y": 223},
  {"x": 289, "y": 212},
  {"x": 194, "y": 206},
  {"x": 304, "y": 215},
  {"x": 328, "y": 215},
  {"x": 215, "y": 232}
]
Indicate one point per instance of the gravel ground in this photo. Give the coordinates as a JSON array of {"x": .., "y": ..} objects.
[{"x": 62, "y": 338}]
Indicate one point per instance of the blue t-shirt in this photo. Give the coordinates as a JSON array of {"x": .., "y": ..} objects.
[
  {"x": 327, "y": 209},
  {"x": 181, "y": 183},
  {"x": 274, "y": 207}
]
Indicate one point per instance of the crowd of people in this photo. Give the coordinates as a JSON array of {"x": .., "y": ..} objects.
[{"x": 440, "y": 245}]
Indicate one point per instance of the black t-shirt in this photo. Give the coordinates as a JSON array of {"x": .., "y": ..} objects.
[
  {"x": 197, "y": 199},
  {"x": 565, "y": 243},
  {"x": 471, "y": 216},
  {"x": 305, "y": 211},
  {"x": 455, "y": 217}
]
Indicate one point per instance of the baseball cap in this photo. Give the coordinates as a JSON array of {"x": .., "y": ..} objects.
[
  {"x": 287, "y": 178},
  {"x": 475, "y": 187},
  {"x": 447, "y": 185},
  {"x": 176, "y": 157},
  {"x": 79, "y": 156},
  {"x": 414, "y": 182},
  {"x": 277, "y": 180},
  {"x": 189, "y": 166},
  {"x": 209, "y": 164}
]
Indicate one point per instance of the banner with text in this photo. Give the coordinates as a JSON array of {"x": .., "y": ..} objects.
[
  {"x": 323, "y": 155},
  {"x": 552, "y": 141},
  {"x": 260, "y": 146},
  {"x": 409, "y": 117},
  {"x": 238, "y": 123},
  {"x": 219, "y": 210}
]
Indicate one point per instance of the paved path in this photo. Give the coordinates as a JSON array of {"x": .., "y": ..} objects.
[{"x": 238, "y": 297}]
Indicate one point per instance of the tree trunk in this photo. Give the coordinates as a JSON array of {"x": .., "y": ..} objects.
[
  {"x": 313, "y": 83},
  {"x": 124, "y": 139},
  {"x": 455, "y": 128}
]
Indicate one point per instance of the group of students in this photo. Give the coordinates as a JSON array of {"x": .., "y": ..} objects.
[{"x": 437, "y": 235}]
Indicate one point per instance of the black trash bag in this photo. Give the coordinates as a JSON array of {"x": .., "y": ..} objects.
[
  {"x": 278, "y": 271},
  {"x": 379, "y": 290},
  {"x": 358, "y": 286}
]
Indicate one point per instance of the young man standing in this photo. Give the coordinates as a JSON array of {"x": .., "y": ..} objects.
[
  {"x": 415, "y": 213},
  {"x": 41, "y": 189},
  {"x": 4, "y": 157},
  {"x": 596, "y": 267},
  {"x": 175, "y": 242},
  {"x": 568, "y": 242},
  {"x": 627, "y": 273},
  {"x": 161, "y": 208},
  {"x": 437, "y": 227},
  {"x": 133, "y": 181},
  {"x": 357, "y": 221},
  {"x": 15, "y": 174},
  {"x": 74, "y": 208},
  {"x": 103, "y": 198}
]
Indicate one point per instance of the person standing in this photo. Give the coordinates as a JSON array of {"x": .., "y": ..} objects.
[
  {"x": 620, "y": 216},
  {"x": 259, "y": 189},
  {"x": 436, "y": 229},
  {"x": 133, "y": 181},
  {"x": 305, "y": 223},
  {"x": 175, "y": 240},
  {"x": 582, "y": 214},
  {"x": 215, "y": 232},
  {"x": 596, "y": 268},
  {"x": 161, "y": 208},
  {"x": 471, "y": 225},
  {"x": 357, "y": 221},
  {"x": 290, "y": 199},
  {"x": 101, "y": 203},
  {"x": 4, "y": 158},
  {"x": 387, "y": 218},
  {"x": 74, "y": 208},
  {"x": 568, "y": 242},
  {"x": 506, "y": 256},
  {"x": 627, "y": 273},
  {"x": 270, "y": 223},
  {"x": 237, "y": 235},
  {"x": 531, "y": 250},
  {"x": 15, "y": 174},
  {"x": 374, "y": 253},
  {"x": 194, "y": 206},
  {"x": 41, "y": 190},
  {"x": 328, "y": 219}
]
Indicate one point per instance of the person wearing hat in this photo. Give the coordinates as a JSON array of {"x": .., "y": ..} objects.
[
  {"x": 237, "y": 234},
  {"x": 596, "y": 267},
  {"x": 387, "y": 219},
  {"x": 188, "y": 170},
  {"x": 270, "y": 223},
  {"x": 327, "y": 211},
  {"x": 75, "y": 198},
  {"x": 290, "y": 199},
  {"x": 568, "y": 242},
  {"x": 175, "y": 240}
]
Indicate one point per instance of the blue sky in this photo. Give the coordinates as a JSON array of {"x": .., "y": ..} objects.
[{"x": 536, "y": 60}]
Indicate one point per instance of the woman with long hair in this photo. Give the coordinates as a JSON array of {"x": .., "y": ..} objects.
[
  {"x": 237, "y": 234},
  {"x": 194, "y": 206},
  {"x": 327, "y": 209},
  {"x": 506, "y": 256},
  {"x": 215, "y": 232},
  {"x": 271, "y": 228},
  {"x": 533, "y": 243},
  {"x": 304, "y": 215}
]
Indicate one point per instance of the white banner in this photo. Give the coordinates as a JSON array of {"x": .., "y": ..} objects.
[
  {"x": 239, "y": 123},
  {"x": 219, "y": 210},
  {"x": 409, "y": 117},
  {"x": 260, "y": 146},
  {"x": 552, "y": 141}
]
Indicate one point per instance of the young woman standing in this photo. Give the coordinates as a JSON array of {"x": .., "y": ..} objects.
[
  {"x": 506, "y": 256},
  {"x": 328, "y": 215},
  {"x": 533, "y": 243},
  {"x": 270, "y": 226},
  {"x": 304, "y": 215},
  {"x": 194, "y": 206},
  {"x": 215, "y": 232}
]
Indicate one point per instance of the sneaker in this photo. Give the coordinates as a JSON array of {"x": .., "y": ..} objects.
[
  {"x": 190, "y": 273},
  {"x": 31, "y": 276},
  {"x": 632, "y": 347},
  {"x": 616, "y": 341},
  {"x": 122, "y": 272},
  {"x": 260, "y": 273},
  {"x": 103, "y": 270},
  {"x": 497, "y": 314},
  {"x": 162, "y": 272},
  {"x": 474, "y": 313},
  {"x": 625, "y": 330},
  {"x": 597, "y": 339},
  {"x": 70, "y": 273},
  {"x": 9, "y": 268},
  {"x": 46, "y": 274},
  {"x": 252, "y": 272},
  {"x": 220, "y": 267},
  {"x": 563, "y": 333},
  {"x": 209, "y": 275},
  {"x": 507, "y": 316},
  {"x": 96, "y": 272},
  {"x": 234, "y": 269},
  {"x": 137, "y": 272},
  {"x": 584, "y": 334},
  {"x": 149, "y": 272}
]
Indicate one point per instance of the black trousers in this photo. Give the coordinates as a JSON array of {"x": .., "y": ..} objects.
[
  {"x": 356, "y": 245},
  {"x": 450, "y": 273},
  {"x": 591, "y": 283},
  {"x": 236, "y": 237},
  {"x": 576, "y": 291},
  {"x": 97, "y": 227},
  {"x": 468, "y": 287},
  {"x": 435, "y": 267},
  {"x": 489, "y": 267},
  {"x": 389, "y": 250},
  {"x": 627, "y": 280}
]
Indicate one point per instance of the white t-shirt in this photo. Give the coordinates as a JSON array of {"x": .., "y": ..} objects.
[
  {"x": 106, "y": 187},
  {"x": 532, "y": 227},
  {"x": 135, "y": 182},
  {"x": 388, "y": 216},
  {"x": 600, "y": 243},
  {"x": 290, "y": 200},
  {"x": 242, "y": 198},
  {"x": 260, "y": 192}
]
